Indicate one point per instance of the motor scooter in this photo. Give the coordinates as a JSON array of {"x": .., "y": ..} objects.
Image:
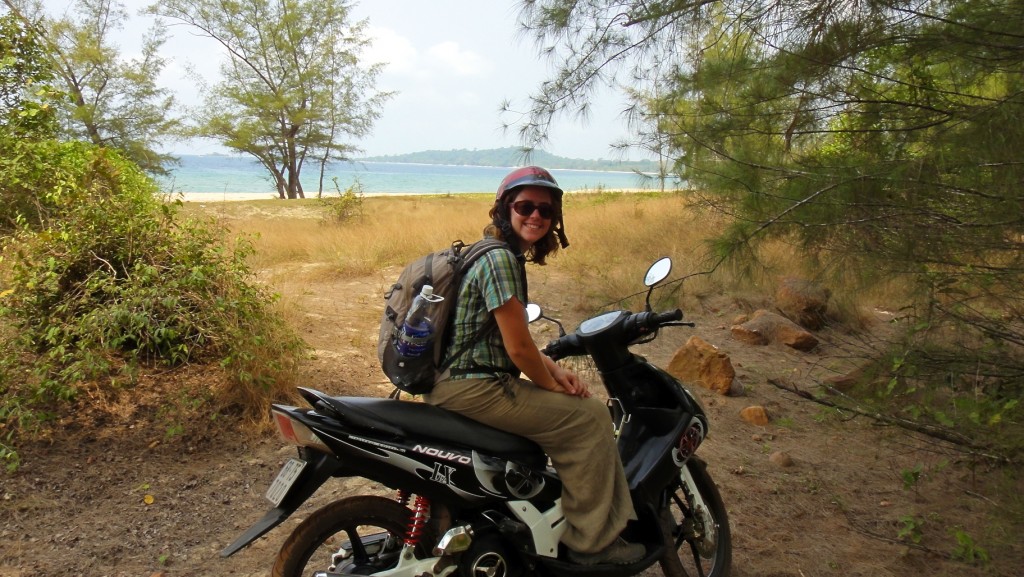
[{"x": 476, "y": 501}]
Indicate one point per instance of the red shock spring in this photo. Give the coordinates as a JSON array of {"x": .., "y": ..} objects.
[{"x": 417, "y": 521}]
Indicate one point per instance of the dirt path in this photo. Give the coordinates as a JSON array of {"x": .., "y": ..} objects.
[{"x": 129, "y": 501}]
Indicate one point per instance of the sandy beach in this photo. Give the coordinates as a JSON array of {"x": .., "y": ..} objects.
[
  {"x": 222, "y": 196},
  {"x": 205, "y": 197}
]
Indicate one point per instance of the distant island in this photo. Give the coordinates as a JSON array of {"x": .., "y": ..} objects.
[{"x": 513, "y": 156}]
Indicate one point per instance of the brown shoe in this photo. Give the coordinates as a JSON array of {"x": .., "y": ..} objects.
[{"x": 620, "y": 552}]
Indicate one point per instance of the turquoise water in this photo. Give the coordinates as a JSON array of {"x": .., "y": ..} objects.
[{"x": 228, "y": 174}]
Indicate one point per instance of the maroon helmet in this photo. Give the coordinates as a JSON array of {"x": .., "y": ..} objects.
[{"x": 529, "y": 176}]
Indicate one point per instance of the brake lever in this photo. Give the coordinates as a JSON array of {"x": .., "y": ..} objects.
[{"x": 680, "y": 324}]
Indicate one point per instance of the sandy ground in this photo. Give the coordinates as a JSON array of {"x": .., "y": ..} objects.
[{"x": 114, "y": 494}]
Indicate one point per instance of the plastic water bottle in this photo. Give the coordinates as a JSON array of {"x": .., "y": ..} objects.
[{"x": 417, "y": 332}]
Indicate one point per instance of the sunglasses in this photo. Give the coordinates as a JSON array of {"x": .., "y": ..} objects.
[{"x": 526, "y": 208}]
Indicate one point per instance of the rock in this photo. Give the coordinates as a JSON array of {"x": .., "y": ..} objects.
[
  {"x": 803, "y": 301},
  {"x": 704, "y": 364},
  {"x": 796, "y": 338},
  {"x": 737, "y": 389},
  {"x": 755, "y": 415},
  {"x": 750, "y": 335},
  {"x": 781, "y": 459},
  {"x": 766, "y": 327},
  {"x": 863, "y": 374}
]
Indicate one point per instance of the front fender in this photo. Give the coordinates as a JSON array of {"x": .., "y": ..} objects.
[{"x": 321, "y": 467}]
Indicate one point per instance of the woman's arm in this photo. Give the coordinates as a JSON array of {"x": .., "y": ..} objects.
[
  {"x": 569, "y": 380},
  {"x": 519, "y": 345}
]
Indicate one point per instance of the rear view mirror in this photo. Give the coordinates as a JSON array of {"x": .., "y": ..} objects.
[
  {"x": 658, "y": 272},
  {"x": 533, "y": 312}
]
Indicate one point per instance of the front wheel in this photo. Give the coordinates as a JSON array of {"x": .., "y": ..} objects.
[
  {"x": 699, "y": 524},
  {"x": 355, "y": 536}
]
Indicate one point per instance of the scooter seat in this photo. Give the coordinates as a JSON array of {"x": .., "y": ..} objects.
[{"x": 422, "y": 420}]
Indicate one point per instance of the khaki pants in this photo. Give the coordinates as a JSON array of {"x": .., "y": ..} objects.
[{"x": 576, "y": 433}]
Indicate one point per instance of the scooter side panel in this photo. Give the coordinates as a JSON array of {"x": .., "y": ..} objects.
[{"x": 457, "y": 476}]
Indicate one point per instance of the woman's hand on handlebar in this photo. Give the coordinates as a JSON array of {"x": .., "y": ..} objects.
[
  {"x": 568, "y": 381},
  {"x": 573, "y": 384}
]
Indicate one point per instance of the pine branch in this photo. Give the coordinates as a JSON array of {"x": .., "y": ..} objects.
[{"x": 934, "y": 432}]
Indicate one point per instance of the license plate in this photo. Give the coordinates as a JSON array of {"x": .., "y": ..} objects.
[{"x": 284, "y": 480}]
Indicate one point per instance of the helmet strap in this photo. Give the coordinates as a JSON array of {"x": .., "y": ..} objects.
[
  {"x": 509, "y": 236},
  {"x": 560, "y": 233}
]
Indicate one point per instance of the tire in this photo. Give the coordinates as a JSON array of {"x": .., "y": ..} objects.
[
  {"x": 701, "y": 532},
  {"x": 376, "y": 521}
]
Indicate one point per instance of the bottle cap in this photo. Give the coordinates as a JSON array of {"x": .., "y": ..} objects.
[{"x": 427, "y": 292}]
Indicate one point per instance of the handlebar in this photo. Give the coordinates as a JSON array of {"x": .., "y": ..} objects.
[
  {"x": 562, "y": 347},
  {"x": 619, "y": 334},
  {"x": 661, "y": 319}
]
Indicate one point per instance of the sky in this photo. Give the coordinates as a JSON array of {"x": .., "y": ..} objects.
[{"x": 451, "y": 63}]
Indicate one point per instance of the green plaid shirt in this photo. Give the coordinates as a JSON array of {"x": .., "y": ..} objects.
[{"x": 491, "y": 282}]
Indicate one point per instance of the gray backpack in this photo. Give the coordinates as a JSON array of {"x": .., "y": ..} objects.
[{"x": 443, "y": 270}]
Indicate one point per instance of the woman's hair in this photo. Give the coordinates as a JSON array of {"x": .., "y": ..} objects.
[{"x": 501, "y": 229}]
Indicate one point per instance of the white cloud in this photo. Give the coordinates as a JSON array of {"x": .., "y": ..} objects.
[
  {"x": 391, "y": 48},
  {"x": 450, "y": 57},
  {"x": 469, "y": 98},
  {"x": 402, "y": 58}
]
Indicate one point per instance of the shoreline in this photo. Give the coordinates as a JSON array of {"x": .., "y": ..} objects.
[
  {"x": 243, "y": 196},
  {"x": 204, "y": 197}
]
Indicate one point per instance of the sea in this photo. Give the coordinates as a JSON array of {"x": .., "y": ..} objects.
[{"x": 234, "y": 174}]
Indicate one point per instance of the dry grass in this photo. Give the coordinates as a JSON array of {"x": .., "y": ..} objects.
[
  {"x": 390, "y": 231},
  {"x": 613, "y": 236}
]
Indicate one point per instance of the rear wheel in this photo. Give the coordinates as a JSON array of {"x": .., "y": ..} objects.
[
  {"x": 356, "y": 536},
  {"x": 488, "y": 556},
  {"x": 700, "y": 526}
]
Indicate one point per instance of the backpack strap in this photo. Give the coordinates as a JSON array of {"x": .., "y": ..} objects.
[
  {"x": 488, "y": 327},
  {"x": 469, "y": 254}
]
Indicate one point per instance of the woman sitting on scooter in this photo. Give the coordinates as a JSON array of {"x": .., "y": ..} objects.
[{"x": 551, "y": 406}]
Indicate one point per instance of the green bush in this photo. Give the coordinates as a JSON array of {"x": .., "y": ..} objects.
[
  {"x": 112, "y": 282},
  {"x": 346, "y": 205},
  {"x": 38, "y": 178}
]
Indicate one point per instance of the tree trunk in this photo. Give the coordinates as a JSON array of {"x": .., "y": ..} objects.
[
  {"x": 320, "y": 184},
  {"x": 293, "y": 180},
  {"x": 292, "y": 163}
]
